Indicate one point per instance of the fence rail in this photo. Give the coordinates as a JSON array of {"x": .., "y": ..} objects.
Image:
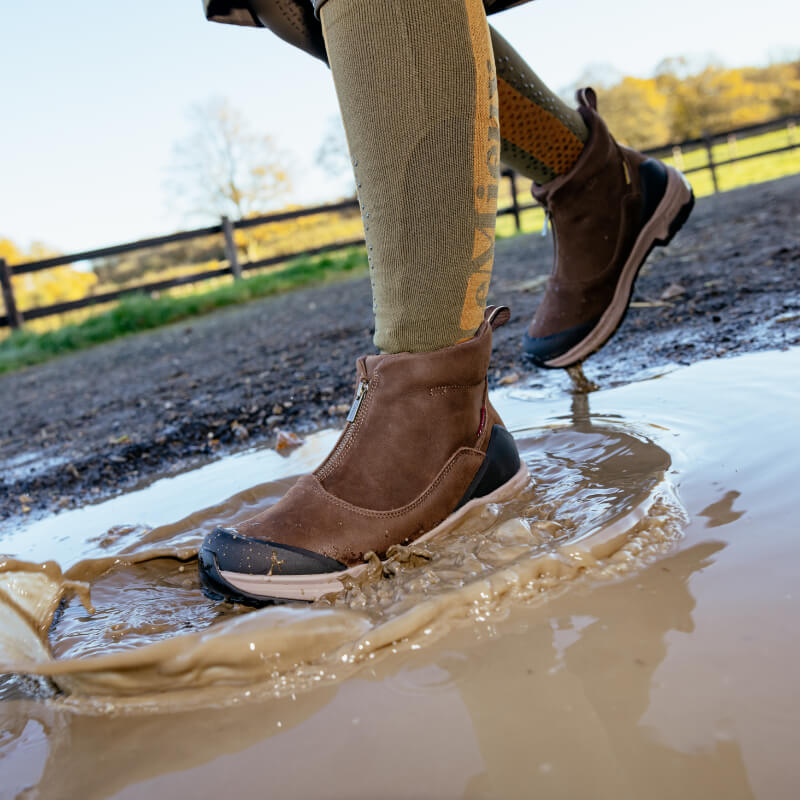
[{"x": 14, "y": 317}]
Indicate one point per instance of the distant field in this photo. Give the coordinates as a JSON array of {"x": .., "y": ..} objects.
[
  {"x": 743, "y": 173},
  {"x": 140, "y": 312}
]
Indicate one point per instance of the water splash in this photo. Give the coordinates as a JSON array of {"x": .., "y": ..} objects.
[{"x": 600, "y": 505}]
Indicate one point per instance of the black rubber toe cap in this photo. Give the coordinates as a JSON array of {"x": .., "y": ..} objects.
[
  {"x": 542, "y": 349},
  {"x": 233, "y": 552}
]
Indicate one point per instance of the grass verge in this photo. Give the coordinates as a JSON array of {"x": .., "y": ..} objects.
[{"x": 141, "y": 312}]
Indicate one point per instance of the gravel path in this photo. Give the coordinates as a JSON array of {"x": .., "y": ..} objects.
[{"x": 99, "y": 421}]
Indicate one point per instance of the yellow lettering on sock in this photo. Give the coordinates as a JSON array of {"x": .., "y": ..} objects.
[{"x": 485, "y": 167}]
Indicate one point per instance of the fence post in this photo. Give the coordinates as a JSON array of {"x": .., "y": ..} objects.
[
  {"x": 791, "y": 130},
  {"x": 12, "y": 312},
  {"x": 230, "y": 248},
  {"x": 677, "y": 155},
  {"x": 707, "y": 139},
  {"x": 514, "y": 202}
]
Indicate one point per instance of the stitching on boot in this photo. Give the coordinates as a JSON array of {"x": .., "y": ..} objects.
[
  {"x": 443, "y": 389},
  {"x": 403, "y": 510}
]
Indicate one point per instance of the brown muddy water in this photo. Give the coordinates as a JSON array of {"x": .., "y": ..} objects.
[{"x": 627, "y": 627}]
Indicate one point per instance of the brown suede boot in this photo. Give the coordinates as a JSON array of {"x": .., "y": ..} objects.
[
  {"x": 608, "y": 213},
  {"x": 422, "y": 447}
]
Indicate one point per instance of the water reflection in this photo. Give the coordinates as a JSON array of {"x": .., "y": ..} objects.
[
  {"x": 554, "y": 700},
  {"x": 570, "y": 714},
  {"x": 721, "y": 512}
]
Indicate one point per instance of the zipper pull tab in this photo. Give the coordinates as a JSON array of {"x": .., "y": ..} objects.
[
  {"x": 360, "y": 392},
  {"x": 546, "y": 221}
]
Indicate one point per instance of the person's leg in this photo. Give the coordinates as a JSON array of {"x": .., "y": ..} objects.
[
  {"x": 417, "y": 92},
  {"x": 423, "y": 445},
  {"x": 609, "y": 206},
  {"x": 542, "y": 137}
]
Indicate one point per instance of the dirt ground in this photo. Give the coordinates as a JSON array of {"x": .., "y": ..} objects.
[{"x": 91, "y": 424}]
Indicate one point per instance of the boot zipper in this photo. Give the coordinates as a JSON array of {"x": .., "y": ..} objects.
[
  {"x": 351, "y": 429},
  {"x": 360, "y": 392}
]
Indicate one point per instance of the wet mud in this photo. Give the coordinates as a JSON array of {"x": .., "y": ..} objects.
[
  {"x": 600, "y": 503},
  {"x": 112, "y": 418},
  {"x": 624, "y": 628}
]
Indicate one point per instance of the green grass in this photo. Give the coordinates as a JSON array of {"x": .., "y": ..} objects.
[
  {"x": 742, "y": 173},
  {"x": 140, "y": 312}
]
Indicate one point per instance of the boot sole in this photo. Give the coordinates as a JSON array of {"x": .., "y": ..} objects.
[
  {"x": 261, "y": 589},
  {"x": 668, "y": 218}
]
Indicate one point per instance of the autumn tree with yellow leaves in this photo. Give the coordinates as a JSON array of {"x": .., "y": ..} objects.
[
  {"x": 44, "y": 288},
  {"x": 672, "y": 107}
]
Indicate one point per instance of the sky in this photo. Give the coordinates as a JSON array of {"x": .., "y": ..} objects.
[{"x": 93, "y": 95}]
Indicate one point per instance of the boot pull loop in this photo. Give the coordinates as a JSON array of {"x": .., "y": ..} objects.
[
  {"x": 496, "y": 316},
  {"x": 587, "y": 97}
]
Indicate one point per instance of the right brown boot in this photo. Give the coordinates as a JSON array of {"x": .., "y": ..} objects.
[
  {"x": 422, "y": 448},
  {"x": 608, "y": 212}
]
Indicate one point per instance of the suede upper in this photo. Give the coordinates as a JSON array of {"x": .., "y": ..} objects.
[
  {"x": 403, "y": 464},
  {"x": 595, "y": 210}
]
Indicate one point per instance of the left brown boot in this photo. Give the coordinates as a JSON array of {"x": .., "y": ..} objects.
[
  {"x": 422, "y": 448},
  {"x": 608, "y": 212}
]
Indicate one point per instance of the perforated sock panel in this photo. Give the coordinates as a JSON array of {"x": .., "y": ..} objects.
[
  {"x": 542, "y": 136},
  {"x": 293, "y": 12},
  {"x": 540, "y": 139},
  {"x": 294, "y": 22}
]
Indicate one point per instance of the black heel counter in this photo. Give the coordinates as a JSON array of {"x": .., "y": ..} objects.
[{"x": 500, "y": 465}]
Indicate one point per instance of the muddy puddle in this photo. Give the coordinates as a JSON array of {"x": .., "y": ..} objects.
[{"x": 625, "y": 627}]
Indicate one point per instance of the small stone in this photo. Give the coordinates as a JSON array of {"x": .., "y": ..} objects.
[
  {"x": 239, "y": 430},
  {"x": 277, "y": 409}
]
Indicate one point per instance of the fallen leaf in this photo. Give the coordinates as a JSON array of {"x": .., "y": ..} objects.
[
  {"x": 530, "y": 285},
  {"x": 287, "y": 440},
  {"x": 673, "y": 290},
  {"x": 507, "y": 380}
]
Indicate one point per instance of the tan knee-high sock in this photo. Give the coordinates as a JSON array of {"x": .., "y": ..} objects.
[
  {"x": 542, "y": 136},
  {"x": 416, "y": 87}
]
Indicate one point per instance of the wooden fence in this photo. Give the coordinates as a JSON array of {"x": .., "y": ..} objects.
[{"x": 14, "y": 318}]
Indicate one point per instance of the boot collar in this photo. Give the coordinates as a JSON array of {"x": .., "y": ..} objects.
[{"x": 473, "y": 354}]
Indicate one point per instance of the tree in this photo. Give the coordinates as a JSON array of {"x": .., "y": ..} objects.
[
  {"x": 635, "y": 111},
  {"x": 36, "y": 289},
  {"x": 223, "y": 168}
]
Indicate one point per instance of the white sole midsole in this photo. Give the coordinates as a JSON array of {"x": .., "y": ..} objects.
[
  {"x": 676, "y": 196},
  {"x": 312, "y": 587}
]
